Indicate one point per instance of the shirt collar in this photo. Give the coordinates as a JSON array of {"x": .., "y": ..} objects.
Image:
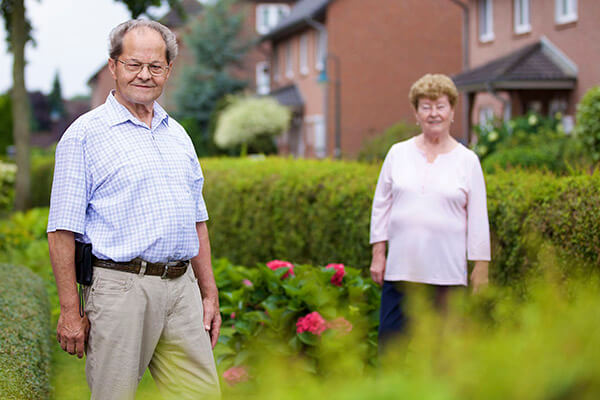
[{"x": 117, "y": 113}]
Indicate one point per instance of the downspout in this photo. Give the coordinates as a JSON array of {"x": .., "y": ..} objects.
[{"x": 465, "y": 44}]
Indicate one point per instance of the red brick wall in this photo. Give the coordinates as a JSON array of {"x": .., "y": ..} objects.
[
  {"x": 579, "y": 40},
  {"x": 384, "y": 46}
]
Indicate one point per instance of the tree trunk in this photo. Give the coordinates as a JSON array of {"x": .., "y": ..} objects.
[{"x": 20, "y": 106}]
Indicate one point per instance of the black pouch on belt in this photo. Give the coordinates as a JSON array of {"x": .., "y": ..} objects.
[
  {"x": 83, "y": 268},
  {"x": 83, "y": 263}
]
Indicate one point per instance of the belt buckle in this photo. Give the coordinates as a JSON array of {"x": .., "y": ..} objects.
[{"x": 165, "y": 272}]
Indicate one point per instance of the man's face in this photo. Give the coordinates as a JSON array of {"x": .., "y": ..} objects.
[{"x": 146, "y": 46}]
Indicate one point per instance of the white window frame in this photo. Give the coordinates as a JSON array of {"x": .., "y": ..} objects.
[
  {"x": 318, "y": 51},
  {"x": 486, "y": 19},
  {"x": 262, "y": 78},
  {"x": 269, "y": 15},
  {"x": 522, "y": 8},
  {"x": 289, "y": 61},
  {"x": 303, "y": 54},
  {"x": 316, "y": 125},
  {"x": 565, "y": 16}
]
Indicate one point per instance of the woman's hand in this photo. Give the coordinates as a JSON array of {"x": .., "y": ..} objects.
[
  {"x": 378, "y": 263},
  {"x": 479, "y": 276}
]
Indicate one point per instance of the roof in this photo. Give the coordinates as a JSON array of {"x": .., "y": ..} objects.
[
  {"x": 302, "y": 10},
  {"x": 288, "y": 96},
  {"x": 540, "y": 65},
  {"x": 172, "y": 19}
]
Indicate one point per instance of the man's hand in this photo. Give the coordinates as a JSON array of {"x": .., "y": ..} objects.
[
  {"x": 378, "y": 262},
  {"x": 479, "y": 276},
  {"x": 212, "y": 319},
  {"x": 72, "y": 332}
]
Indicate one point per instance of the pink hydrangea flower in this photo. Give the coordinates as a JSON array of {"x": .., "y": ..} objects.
[
  {"x": 232, "y": 315},
  {"x": 276, "y": 264},
  {"x": 336, "y": 279},
  {"x": 247, "y": 282},
  {"x": 235, "y": 375},
  {"x": 341, "y": 325},
  {"x": 313, "y": 323}
]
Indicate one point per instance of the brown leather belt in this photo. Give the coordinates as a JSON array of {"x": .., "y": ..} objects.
[{"x": 170, "y": 270}]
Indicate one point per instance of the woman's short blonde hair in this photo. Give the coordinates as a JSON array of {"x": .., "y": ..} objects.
[{"x": 432, "y": 86}]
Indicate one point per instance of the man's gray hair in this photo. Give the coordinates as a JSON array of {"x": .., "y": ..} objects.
[{"x": 117, "y": 34}]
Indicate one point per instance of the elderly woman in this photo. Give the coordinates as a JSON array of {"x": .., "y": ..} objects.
[{"x": 429, "y": 209}]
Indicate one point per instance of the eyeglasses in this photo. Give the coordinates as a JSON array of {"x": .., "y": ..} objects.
[
  {"x": 427, "y": 108},
  {"x": 136, "y": 67}
]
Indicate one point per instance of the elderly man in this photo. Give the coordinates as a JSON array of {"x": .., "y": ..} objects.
[{"x": 127, "y": 180}]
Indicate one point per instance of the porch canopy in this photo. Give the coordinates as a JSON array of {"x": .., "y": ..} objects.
[{"x": 540, "y": 65}]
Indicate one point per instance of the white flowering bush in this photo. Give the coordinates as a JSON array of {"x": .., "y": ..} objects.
[
  {"x": 248, "y": 118},
  {"x": 7, "y": 184}
]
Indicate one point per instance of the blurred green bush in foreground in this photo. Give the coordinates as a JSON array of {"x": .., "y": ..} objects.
[{"x": 24, "y": 335}]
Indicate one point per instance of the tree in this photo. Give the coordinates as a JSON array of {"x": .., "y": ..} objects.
[
  {"x": 18, "y": 29},
  {"x": 57, "y": 106},
  {"x": 216, "y": 47}
]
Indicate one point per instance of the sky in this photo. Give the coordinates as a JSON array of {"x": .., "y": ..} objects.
[{"x": 71, "y": 37}]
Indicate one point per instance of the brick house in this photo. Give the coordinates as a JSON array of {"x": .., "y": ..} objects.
[
  {"x": 259, "y": 17},
  {"x": 540, "y": 55},
  {"x": 373, "y": 51}
]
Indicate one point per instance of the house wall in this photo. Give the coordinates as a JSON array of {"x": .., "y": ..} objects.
[
  {"x": 101, "y": 87},
  {"x": 383, "y": 50},
  {"x": 579, "y": 40}
]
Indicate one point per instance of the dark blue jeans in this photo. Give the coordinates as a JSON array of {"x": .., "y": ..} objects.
[{"x": 393, "y": 319}]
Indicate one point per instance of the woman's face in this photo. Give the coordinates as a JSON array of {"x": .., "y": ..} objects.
[{"x": 435, "y": 116}]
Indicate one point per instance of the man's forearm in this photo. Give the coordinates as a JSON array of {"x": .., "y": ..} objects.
[
  {"x": 62, "y": 256},
  {"x": 202, "y": 265}
]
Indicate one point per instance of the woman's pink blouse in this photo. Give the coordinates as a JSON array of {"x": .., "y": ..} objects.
[{"x": 433, "y": 215}]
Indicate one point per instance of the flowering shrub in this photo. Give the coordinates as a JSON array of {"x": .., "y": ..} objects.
[
  {"x": 276, "y": 264},
  {"x": 310, "y": 313},
  {"x": 312, "y": 323},
  {"x": 336, "y": 279},
  {"x": 235, "y": 375}
]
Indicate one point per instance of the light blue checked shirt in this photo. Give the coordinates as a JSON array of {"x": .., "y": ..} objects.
[{"x": 129, "y": 190}]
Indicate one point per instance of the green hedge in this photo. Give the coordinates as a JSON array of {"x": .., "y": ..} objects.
[
  {"x": 310, "y": 212},
  {"x": 24, "y": 335},
  {"x": 7, "y": 186},
  {"x": 316, "y": 212}
]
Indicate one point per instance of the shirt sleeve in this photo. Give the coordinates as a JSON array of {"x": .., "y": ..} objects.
[
  {"x": 201, "y": 212},
  {"x": 382, "y": 202},
  {"x": 478, "y": 230},
  {"x": 69, "y": 196}
]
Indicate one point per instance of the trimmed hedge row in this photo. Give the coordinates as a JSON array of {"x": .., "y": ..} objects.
[
  {"x": 317, "y": 212},
  {"x": 24, "y": 335}
]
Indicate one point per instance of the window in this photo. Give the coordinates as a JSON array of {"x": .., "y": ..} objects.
[
  {"x": 262, "y": 77},
  {"x": 319, "y": 50},
  {"x": 275, "y": 64},
  {"x": 269, "y": 15},
  {"x": 522, "y": 19},
  {"x": 486, "y": 21},
  {"x": 486, "y": 117},
  {"x": 566, "y": 11},
  {"x": 303, "y": 56},
  {"x": 289, "y": 66}
]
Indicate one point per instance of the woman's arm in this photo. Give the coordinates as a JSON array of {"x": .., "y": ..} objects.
[{"x": 378, "y": 262}]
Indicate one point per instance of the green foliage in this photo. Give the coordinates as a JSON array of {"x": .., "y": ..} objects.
[
  {"x": 6, "y": 123},
  {"x": 7, "y": 186},
  {"x": 588, "y": 121},
  {"x": 312, "y": 212},
  {"x": 261, "y": 308},
  {"x": 216, "y": 47},
  {"x": 42, "y": 173},
  {"x": 55, "y": 99},
  {"x": 24, "y": 335},
  {"x": 248, "y": 118},
  {"x": 376, "y": 148}
]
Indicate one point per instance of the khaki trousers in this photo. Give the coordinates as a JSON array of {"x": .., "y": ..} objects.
[{"x": 141, "y": 321}]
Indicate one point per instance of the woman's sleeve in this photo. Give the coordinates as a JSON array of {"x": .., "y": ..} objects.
[
  {"x": 478, "y": 229},
  {"x": 382, "y": 202}
]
